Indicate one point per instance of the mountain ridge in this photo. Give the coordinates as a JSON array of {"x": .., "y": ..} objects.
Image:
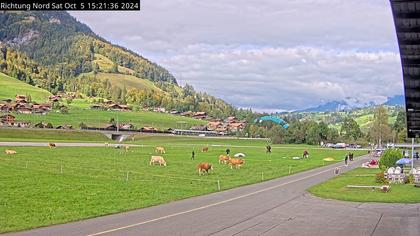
[{"x": 52, "y": 50}]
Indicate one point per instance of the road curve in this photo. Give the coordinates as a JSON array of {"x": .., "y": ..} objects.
[{"x": 276, "y": 207}]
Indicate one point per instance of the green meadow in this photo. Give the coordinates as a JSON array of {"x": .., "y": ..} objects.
[
  {"x": 79, "y": 111},
  {"x": 10, "y": 87},
  {"x": 336, "y": 189},
  {"x": 42, "y": 186}
]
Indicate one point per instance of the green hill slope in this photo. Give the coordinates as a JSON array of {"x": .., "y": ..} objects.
[
  {"x": 10, "y": 87},
  {"x": 129, "y": 81}
]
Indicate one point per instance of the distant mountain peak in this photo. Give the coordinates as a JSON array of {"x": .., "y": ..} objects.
[{"x": 350, "y": 103}]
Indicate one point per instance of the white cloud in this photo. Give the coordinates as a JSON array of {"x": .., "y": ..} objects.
[{"x": 266, "y": 54}]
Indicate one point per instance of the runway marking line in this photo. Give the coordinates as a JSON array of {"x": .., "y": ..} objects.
[{"x": 210, "y": 205}]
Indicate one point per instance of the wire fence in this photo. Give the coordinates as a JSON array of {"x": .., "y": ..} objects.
[{"x": 219, "y": 182}]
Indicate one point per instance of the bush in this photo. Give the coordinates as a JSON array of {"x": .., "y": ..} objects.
[
  {"x": 409, "y": 180},
  {"x": 83, "y": 126},
  {"x": 49, "y": 126},
  {"x": 380, "y": 178},
  {"x": 389, "y": 158}
]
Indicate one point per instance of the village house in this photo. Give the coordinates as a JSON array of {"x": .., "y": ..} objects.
[
  {"x": 148, "y": 129},
  {"x": 187, "y": 114},
  {"x": 235, "y": 127},
  {"x": 41, "y": 125},
  {"x": 213, "y": 125},
  {"x": 21, "y": 99},
  {"x": 66, "y": 127},
  {"x": 159, "y": 109},
  {"x": 54, "y": 98},
  {"x": 174, "y": 112},
  {"x": 199, "y": 128},
  {"x": 127, "y": 127},
  {"x": 7, "y": 119},
  {"x": 231, "y": 119},
  {"x": 39, "y": 109},
  {"x": 5, "y": 108},
  {"x": 124, "y": 107},
  {"x": 22, "y": 124},
  {"x": 46, "y": 106},
  {"x": 97, "y": 107},
  {"x": 200, "y": 115},
  {"x": 110, "y": 127},
  {"x": 117, "y": 107},
  {"x": 23, "y": 108}
]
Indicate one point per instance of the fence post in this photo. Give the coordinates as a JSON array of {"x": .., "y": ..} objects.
[
  {"x": 262, "y": 175},
  {"x": 26, "y": 166},
  {"x": 126, "y": 178},
  {"x": 290, "y": 169},
  {"x": 218, "y": 184},
  {"x": 61, "y": 170}
]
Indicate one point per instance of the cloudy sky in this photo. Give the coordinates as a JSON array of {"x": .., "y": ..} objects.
[{"x": 269, "y": 55}]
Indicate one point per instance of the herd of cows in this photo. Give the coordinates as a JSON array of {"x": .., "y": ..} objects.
[{"x": 202, "y": 168}]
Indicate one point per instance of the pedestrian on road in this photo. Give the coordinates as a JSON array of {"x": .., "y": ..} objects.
[
  {"x": 192, "y": 155},
  {"x": 346, "y": 159}
]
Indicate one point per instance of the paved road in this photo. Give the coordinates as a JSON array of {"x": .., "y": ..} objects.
[
  {"x": 277, "y": 207},
  {"x": 45, "y": 144}
]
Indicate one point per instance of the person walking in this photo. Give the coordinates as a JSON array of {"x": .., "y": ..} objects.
[
  {"x": 227, "y": 151},
  {"x": 268, "y": 149},
  {"x": 346, "y": 159},
  {"x": 192, "y": 155}
]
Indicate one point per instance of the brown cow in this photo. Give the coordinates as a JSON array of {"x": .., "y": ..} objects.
[
  {"x": 204, "y": 167},
  {"x": 160, "y": 150},
  {"x": 51, "y": 145},
  {"x": 236, "y": 162},
  {"x": 157, "y": 159},
  {"x": 205, "y": 149},
  {"x": 223, "y": 159},
  {"x": 9, "y": 152}
]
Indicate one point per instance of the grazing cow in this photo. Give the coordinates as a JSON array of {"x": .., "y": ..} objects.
[
  {"x": 51, "y": 145},
  {"x": 9, "y": 152},
  {"x": 204, "y": 167},
  {"x": 205, "y": 149},
  {"x": 160, "y": 150},
  {"x": 236, "y": 162},
  {"x": 223, "y": 159},
  {"x": 157, "y": 159}
]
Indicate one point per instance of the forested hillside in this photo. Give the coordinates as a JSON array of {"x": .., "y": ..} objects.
[{"x": 54, "y": 51}]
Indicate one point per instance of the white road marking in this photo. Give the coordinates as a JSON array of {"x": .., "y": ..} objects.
[{"x": 210, "y": 205}]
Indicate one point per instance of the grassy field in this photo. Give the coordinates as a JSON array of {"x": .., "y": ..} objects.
[
  {"x": 79, "y": 112},
  {"x": 105, "y": 64},
  {"x": 129, "y": 81},
  {"x": 51, "y": 135},
  {"x": 10, "y": 87},
  {"x": 42, "y": 186},
  {"x": 336, "y": 189}
]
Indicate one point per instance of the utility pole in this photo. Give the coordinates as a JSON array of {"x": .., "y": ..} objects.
[
  {"x": 412, "y": 153},
  {"x": 118, "y": 126}
]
